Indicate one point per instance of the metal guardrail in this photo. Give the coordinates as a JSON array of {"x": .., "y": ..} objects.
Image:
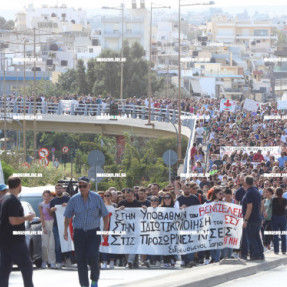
[
  {"x": 64, "y": 108},
  {"x": 68, "y": 108}
]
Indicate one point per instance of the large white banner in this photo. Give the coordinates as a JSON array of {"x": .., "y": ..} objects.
[
  {"x": 65, "y": 245},
  {"x": 274, "y": 150},
  {"x": 167, "y": 231},
  {"x": 250, "y": 105}
]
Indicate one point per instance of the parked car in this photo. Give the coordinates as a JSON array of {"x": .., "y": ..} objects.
[
  {"x": 34, "y": 240},
  {"x": 33, "y": 195}
]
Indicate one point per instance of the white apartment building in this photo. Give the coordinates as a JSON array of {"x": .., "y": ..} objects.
[
  {"x": 54, "y": 19},
  {"x": 135, "y": 28},
  {"x": 256, "y": 35}
]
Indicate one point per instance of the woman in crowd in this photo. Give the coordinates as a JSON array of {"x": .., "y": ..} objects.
[
  {"x": 48, "y": 242},
  {"x": 120, "y": 197},
  {"x": 228, "y": 197},
  {"x": 267, "y": 213},
  {"x": 154, "y": 203},
  {"x": 279, "y": 220},
  {"x": 107, "y": 257},
  {"x": 198, "y": 156},
  {"x": 168, "y": 201},
  {"x": 216, "y": 196}
]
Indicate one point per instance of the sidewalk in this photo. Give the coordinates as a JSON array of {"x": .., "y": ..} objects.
[{"x": 211, "y": 275}]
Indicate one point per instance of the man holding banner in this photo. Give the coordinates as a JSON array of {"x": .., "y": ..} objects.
[
  {"x": 87, "y": 207},
  {"x": 184, "y": 201},
  {"x": 60, "y": 199}
]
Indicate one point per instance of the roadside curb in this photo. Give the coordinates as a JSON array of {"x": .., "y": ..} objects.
[{"x": 211, "y": 275}]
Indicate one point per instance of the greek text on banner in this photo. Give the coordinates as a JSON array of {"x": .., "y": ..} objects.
[{"x": 167, "y": 231}]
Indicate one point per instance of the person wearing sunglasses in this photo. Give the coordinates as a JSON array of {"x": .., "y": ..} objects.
[
  {"x": 87, "y": 207},
  {"x": 217, "y": 195},
  {"x": 168, "y": 201}
]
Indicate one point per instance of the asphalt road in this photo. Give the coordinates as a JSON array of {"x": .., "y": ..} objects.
[{"x": 69, "y": 276}]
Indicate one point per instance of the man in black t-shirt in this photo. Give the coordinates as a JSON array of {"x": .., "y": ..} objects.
[
  {"x": 12, "y": 236},
  {"x": 183, "y": 201},
  {"x": 60, "y": 199},
  {"x": 142, "y": 197},
  {"x": 130, "y": 202},
  {"x": 251, "y": 211}
]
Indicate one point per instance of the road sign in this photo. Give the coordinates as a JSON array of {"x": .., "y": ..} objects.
[
  {"x": 96, "y": 157},
  {"x": 53, "y": 149},
  {"x": 44, "y": 161},
  {"x": 43, "y": 152},
  {"x": 65, "y": 149},
  {"x": 169, "y": 157},
  {"x": 92, "y": 173}
]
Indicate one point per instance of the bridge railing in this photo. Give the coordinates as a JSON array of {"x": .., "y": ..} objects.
[
  {"x": 67, "y": 108},
  {"x": 85, "y": 109}
]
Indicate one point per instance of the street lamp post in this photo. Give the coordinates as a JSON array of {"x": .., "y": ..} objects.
[
  {"x": 24, "y": 104},
  {"x": 121, "y": 8},
  {"x": 179, "y": 151},
  {"x": 150, "y": 54}
]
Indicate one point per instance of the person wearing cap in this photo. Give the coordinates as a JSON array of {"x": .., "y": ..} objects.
[{"x": 87, "y": 207}]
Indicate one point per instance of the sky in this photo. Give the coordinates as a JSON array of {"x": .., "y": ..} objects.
[
  {"x": 264, "y": 6},
  {"x": 89, "y": 4}
]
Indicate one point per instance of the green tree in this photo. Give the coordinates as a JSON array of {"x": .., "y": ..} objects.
[
  {"x": 2, "y": 22},
  {"x": 282, "y": 39},
  {"x": 107, "y": 75},
  {"x": 67, "y": 82},
  {"x": 9, "y": 25},
  {"x": 6, "y": 25},
  {"x": 7, "y": 170},
  {"x": 81, "y": 82},
  {"x": 91, "y": 75}
]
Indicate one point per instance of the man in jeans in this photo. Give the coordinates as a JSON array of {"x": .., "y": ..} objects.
[
  {"x": 251, "y": 209},
  {"x": 13, "y": 246},
  {"x": 60, "y": 199},
  {"x": 87, "y": 207}
]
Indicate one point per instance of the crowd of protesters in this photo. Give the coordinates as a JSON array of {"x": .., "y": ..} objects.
[
  {"x": 252, "y": 178},
  {"x": 179, "y": 193}
]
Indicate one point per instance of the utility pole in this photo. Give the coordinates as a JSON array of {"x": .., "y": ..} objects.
[
  {"x": 35, "y": 108},
  {"x": 150, "y": 59},
  {"x": 122, "y": 55},
  {"x": 5, "y": 103},
  {"x": 24, "y": 105},
  {"x": 149, "y": 66},
  {"x": 179, "y": 152}
]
